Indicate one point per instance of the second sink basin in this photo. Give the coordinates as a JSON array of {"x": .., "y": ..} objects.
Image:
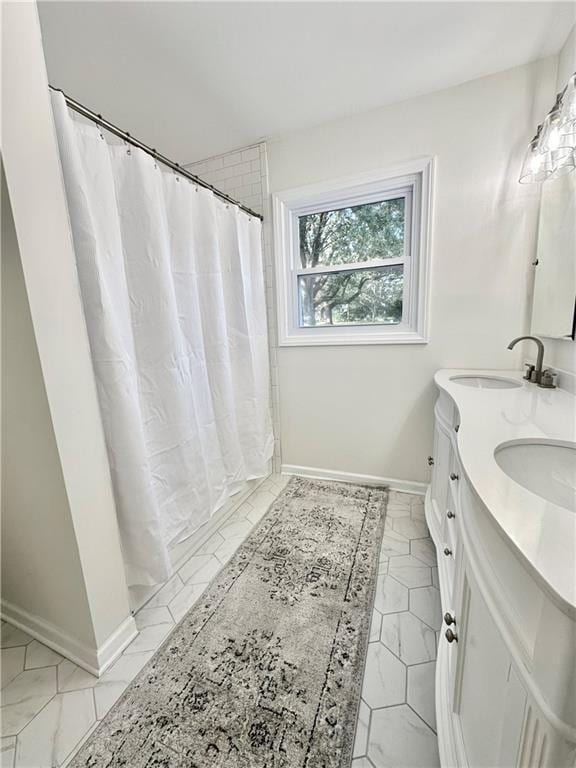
[
  {"x": 546, "y": 468},
  {"x": 486, "y": 382}
]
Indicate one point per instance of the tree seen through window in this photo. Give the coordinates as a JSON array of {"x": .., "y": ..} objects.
[{"x": 352, "y": 236}]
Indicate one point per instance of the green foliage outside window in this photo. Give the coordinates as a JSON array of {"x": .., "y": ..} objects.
[{"x": 353, "y": 235}]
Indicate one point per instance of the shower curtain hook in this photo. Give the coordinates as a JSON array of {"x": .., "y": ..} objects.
[
  {"x": 128, "y": 150},
  {"x": 155, "y": 154},
  {"x": 99, "y": 125},
  {"x": 176, "y": 171}
]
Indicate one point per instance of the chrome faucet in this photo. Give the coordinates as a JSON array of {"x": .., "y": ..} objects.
[{"x": 536, "y": 374}]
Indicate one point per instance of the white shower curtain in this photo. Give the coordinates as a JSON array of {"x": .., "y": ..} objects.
[{"x": 173, "y": 292}]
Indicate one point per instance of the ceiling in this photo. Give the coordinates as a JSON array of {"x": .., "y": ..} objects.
[{"x": 198, "y": 78}]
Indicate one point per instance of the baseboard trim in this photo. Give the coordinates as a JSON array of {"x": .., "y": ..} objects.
[
  {"x": 404, "y": 486},
  {"x": 93, "y": 660},
  {"x": 113, "y": 647}
]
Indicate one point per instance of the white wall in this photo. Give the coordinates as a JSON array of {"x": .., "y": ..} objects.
[
  {"x": 562, "y": 353},
  {"x": 368, "y": 410},
  {"x": 76, "y": 476},
  {"x": 40, "y": 562}
]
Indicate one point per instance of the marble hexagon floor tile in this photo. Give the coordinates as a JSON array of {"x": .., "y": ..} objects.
[
  {"x": 167, "y": 593},
  {"x": 73, "y": 678},
  {"x": 147, "y": 617},
  {"x": 424, "y": 550},
  {"x": 228, "y": 548},
  {"x": 261, "y": 499},
  {"x": 391, "y": 596},
  {"x": 394, "y": 543},
  {"x": 184, "y": 600},
  {"x": 362, "y": 727},
  {"x": 149, "y": 638},
  {"x": 25, "y": 696},
  {"x": 420, "y": 692},
  {"x": 425, "y": 603},
  {"x": 375, "y": 625},
  {"x": 398, "y": 505},
  {"x": 255, "y": 515},
  {"x": 362, "y": 762},
  {"x": 38, "y": 655},
  {"x": 384, "y": 678},
  {"x": 411, "y": 528},
  {"x": 211, "y": 545},
  {"x": 236, "y": 527},
  {"x": 50, "y": 737},
  {"x": 408, "y": 637},
  {"x": 400, "y": 739},
  {"x": 115, "y": 680},
  {"x": 199, "y": 569},
  {"x": 11, "y": 636},
  {"x": 12, "y": 663},
  {"x": 410, "y": 571}
]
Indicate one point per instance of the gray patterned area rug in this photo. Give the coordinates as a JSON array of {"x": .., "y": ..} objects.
[{"x": 265, "y": 671}]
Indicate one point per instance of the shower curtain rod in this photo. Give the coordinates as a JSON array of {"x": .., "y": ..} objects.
[{"x": 99, "y": 120}]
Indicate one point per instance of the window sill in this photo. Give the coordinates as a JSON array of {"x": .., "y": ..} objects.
[{"x": 338, "y": 339}]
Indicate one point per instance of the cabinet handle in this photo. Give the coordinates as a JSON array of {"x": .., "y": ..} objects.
[
  {"x": 447, "y": 551},
  {"x": 454, "y": 476},
  {"x": 450, "y": 515},
  {"x": 457, "y": 427},
  {"x": 430, "y": 461},
  {"x": 449, "y": 619},
  {"x": 450, "y": 636}
]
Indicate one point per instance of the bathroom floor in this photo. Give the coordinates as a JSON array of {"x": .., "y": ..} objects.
[{"x": 50, "y": 705}]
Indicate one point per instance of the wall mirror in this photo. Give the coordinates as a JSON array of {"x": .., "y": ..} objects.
[{"x": 554, "y": 304}]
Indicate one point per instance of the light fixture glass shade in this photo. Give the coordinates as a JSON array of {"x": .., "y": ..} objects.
[
  {"x": 552, "y": 152},
  {"x": 552, "y": 140},
  {"x": 565, "y": 165},
  {"x": 537, "y": 165},
  {"x": 567, "y": 121}
]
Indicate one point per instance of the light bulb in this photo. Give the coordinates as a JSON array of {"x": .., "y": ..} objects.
[
  {"x": 536, "y": 162},
  {"x": 554, "y": 138}
]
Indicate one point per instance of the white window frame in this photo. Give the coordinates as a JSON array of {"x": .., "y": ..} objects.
[{"x": 412, "y": 180}]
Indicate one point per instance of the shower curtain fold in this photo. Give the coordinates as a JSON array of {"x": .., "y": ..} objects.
[{"x": 172, "y": 286}]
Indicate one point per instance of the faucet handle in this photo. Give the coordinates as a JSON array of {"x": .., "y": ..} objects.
[
  {"x": 529, "y": 370},
  {"x": 547, "y": 380}
]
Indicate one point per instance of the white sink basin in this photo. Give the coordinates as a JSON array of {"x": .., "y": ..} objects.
[
  {"x": 486, "y": 382},
  {"x": 546, "y": 468}
]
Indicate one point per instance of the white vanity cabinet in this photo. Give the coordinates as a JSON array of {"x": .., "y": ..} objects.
[
  {"x": 506, "y": 668},
  {"x": 488, "y": 698}
]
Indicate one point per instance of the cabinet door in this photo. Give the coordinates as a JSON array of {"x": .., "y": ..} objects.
[
  {"x": 442, "y": 458},
  {"x": 489, "y": 699}
]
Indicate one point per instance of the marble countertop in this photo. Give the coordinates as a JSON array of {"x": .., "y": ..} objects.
[{"x": 543, "y": 533}]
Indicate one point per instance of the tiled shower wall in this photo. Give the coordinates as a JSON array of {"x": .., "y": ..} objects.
[{"x": 243, "y": 174}]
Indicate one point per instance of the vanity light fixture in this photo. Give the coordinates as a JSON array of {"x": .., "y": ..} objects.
[{"x": 552, "y": 151}]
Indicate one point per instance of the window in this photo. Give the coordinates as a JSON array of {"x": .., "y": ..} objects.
[{"x": 352, "y": 261}]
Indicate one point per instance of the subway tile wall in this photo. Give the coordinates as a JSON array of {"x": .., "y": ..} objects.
[{"x": 243, "y": 174}]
